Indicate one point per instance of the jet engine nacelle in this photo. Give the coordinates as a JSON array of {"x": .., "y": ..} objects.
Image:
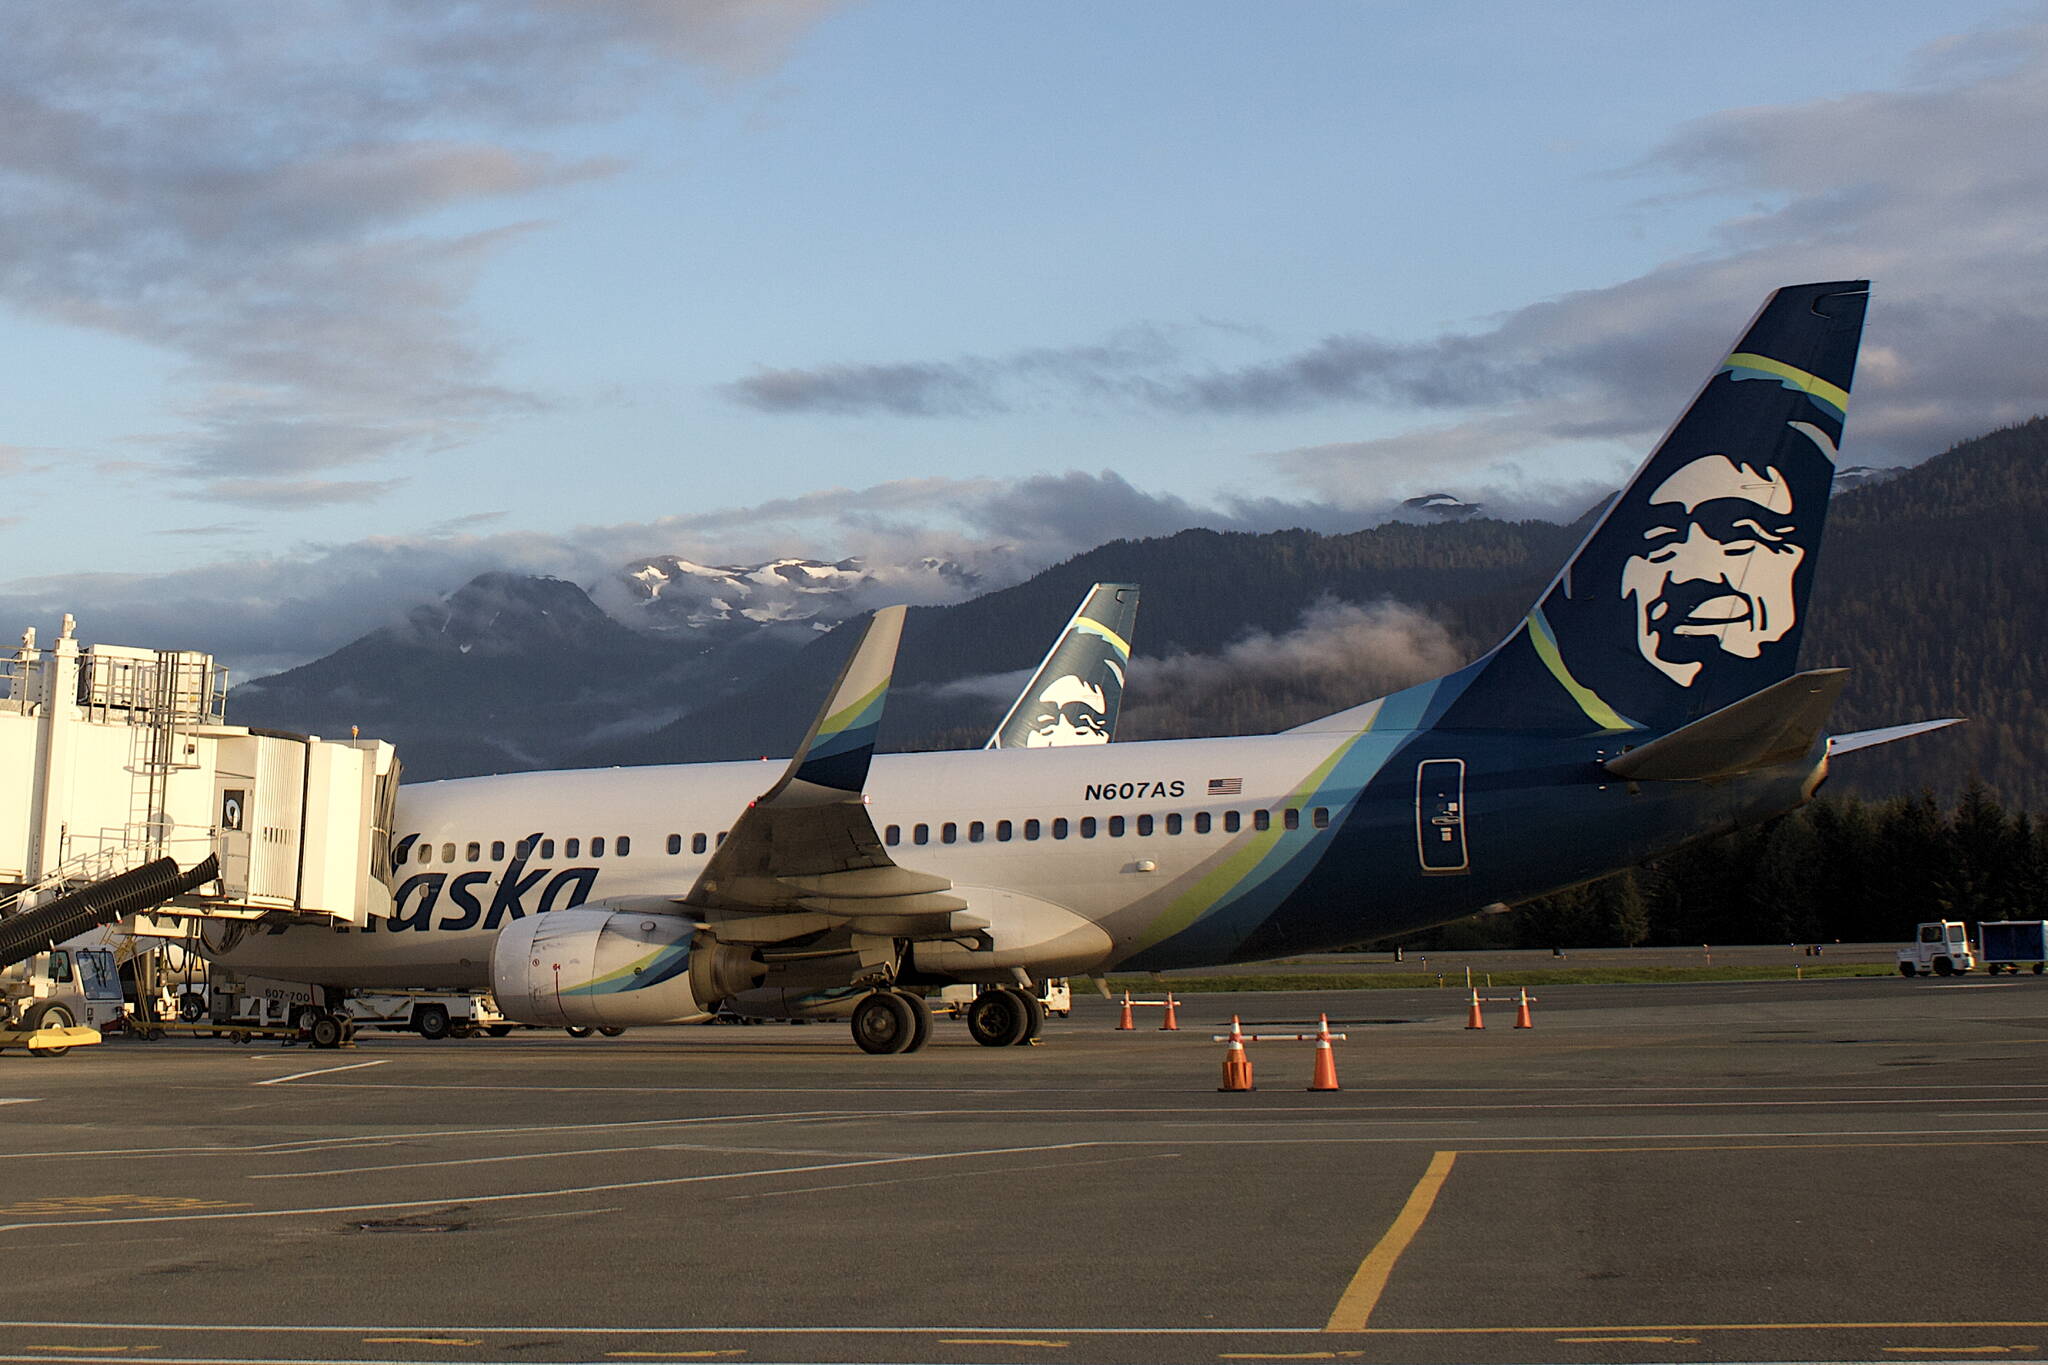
[{"x": 593, "y": 967}]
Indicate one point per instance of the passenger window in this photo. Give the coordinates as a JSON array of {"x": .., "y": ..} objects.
[
  {"x": 721, "y": 835},
  {"x": 893, "y": 835},
  {"x": 1291, "y": 817},
  {"x": 921, "y": 835},
  {"x": 447, "y": 853},
  {"x": 1116, "y": 827},
  {"x": 1144, "y": 826},
  {"x": 1262, "y": 819},
  {"x": 698, "y": 843},
  {"x": 525, "y": 849},
  {"x": 975, "y": 832},
  {"x": 622, "y": 845},
  {"x": 1059, "y": 827},
  {"x": 949, "y": 833},
  {"x": 1087, "y": 827},
  {"x": 1322, "y": 817},
  {"x": 425, "y": 854},
  {"x": 597, "y": 847},
  {"x": 1031, "y": 829},
  {"x": 1201, "y": 822},
  {"x": 547, "y": 848},
  {"x": 675, "y": 844},
  {"x": 1230, "y": 822},
  {"x": 572, "y": 848},
  {"x": 1173, "y": 823},
  {"x": 1002, "y": 831},
  {"x": 474, "y": 853}
]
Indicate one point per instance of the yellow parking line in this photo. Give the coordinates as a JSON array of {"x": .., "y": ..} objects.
[{"x": 1362, "y": 1295}]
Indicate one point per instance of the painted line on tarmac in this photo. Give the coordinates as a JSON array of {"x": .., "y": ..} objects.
[
  {"x": 1362, "y": 1295},
  {"x": 959, "y": 1175},
  {"x": 564, "y": 1192},
  {"x": 572, "y": 1152},
  {"x": 302, "y": 1145},
  {"x": 325, "y": 1071},
  {"x": 37, "y": 1099}
]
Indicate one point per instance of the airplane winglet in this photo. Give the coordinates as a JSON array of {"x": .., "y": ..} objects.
[{"x": 832, "y": 762}]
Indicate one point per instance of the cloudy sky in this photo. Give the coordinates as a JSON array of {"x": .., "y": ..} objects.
[{"x": 313, "y": 311}]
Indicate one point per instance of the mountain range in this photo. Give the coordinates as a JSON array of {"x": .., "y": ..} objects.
[{"x": 1933, "y": 589}]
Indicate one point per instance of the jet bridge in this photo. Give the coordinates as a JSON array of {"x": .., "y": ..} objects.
[{"x": 114, "y": 760}]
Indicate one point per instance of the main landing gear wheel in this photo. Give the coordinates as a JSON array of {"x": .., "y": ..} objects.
[
  {"x": 920, "y": 1020},
  {"x": 579, "y": 1030},
  {"x": 611, "y": 1032},
  {"x": 999, "y": 1018},
  {"x": 884, "y": 1022},
  {"x": 1034, "y": 1011}
]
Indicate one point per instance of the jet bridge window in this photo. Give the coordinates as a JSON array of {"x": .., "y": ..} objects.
[{"x": 893, "y": 835}]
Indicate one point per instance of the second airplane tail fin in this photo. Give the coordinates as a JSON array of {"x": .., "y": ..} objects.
[
  {"x": 1690, "y": 592},
  {"x": 1078, "y": 691}
]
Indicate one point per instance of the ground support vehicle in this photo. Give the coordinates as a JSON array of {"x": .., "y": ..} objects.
[
  {"x": 430, "y": 1014},
  {"x": 2006, "y": 945},
  {"x": 54, "y": 1001},
  {"x": 1941, "y": 947}
]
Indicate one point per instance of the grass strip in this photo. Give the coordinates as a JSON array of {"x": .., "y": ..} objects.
[{"x": 1557, "y": 976}]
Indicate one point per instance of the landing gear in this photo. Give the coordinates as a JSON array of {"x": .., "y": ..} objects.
[
  {"x": 886, "y": 1022},
  {"x": 1003, "y": 1018},
  {"x": 579, "y": 1030},
  {"x": 611, "y": 1032},
  {"x": 921, "y": 1021}
]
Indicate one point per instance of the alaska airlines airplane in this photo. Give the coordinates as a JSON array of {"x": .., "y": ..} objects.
[{"x": 1650, "y": 697}]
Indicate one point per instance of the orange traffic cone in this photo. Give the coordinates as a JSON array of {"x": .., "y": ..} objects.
[
  {"x": 1522, "y": 1019},
  {"x": 1325, "y": 1077},
  {"x": 1237, "y": 1067},
  {"x": 1475, "y": 1019},
  {"x": 1126, "y": 1025},
  {"x": 1172, "y": 1024}
]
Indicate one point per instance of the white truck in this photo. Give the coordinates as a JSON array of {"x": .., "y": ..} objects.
[
  {"x": 1940, "y": 947},
  {"x": 64, "y": 988},
  {"x": 430, "y": 1014},
  {"x": 2010, "y": 944}
]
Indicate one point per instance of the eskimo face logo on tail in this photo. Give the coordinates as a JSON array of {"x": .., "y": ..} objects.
[
  {"x": 1715, "y": 573},
  {"x": 1072, "y": 710}
]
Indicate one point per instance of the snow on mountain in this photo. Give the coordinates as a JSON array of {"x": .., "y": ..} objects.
[{"x": 669, "y": 593}]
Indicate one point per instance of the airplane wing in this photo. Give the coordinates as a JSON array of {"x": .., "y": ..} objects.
[
  {"x": 1078, "y": 691},
  {"x": 804, "y": 856}
]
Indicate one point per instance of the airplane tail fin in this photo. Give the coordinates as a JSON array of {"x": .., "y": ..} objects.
[
  {"x": 1077, "y": 693},
  {"x": 1690, "y": 592},
  {"x": 832, "y": 762}
]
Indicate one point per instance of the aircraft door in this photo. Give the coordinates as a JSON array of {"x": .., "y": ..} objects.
[{"x": 1440, "y": 816}]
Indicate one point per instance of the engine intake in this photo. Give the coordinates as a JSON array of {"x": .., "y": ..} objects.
[{"x": 594, "y": 967}]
